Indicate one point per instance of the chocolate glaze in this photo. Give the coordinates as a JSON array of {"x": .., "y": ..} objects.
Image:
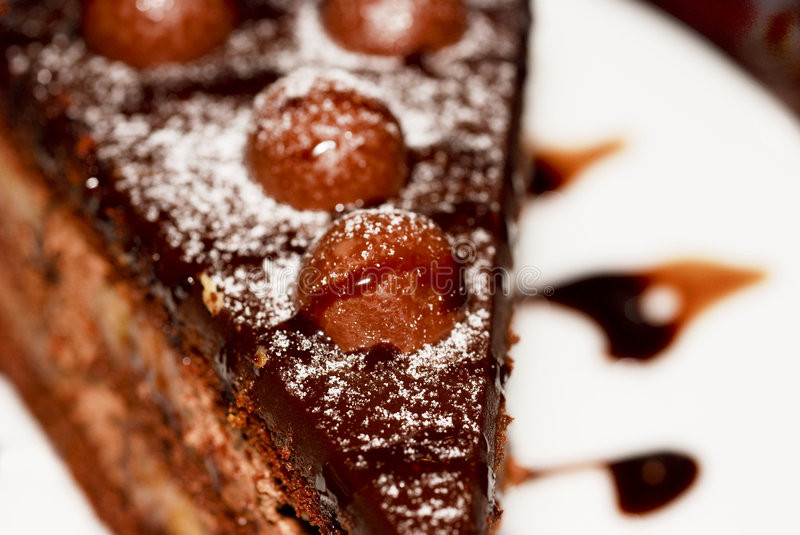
[
  {"x": 615, "y": 302},
  {"x": 643, "y": 483},
  {"x": 555, "y": 169},
  {"x": 762, "y": 35},
  {"x": 411, "y": 429}
]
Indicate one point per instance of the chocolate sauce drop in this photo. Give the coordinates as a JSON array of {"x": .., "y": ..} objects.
[
  {"x": 554, "y": 169},
  {"x": 618, "y": 302},
  {"x": 643, "y": 483},
  {"x": 611, "y": 301},
  {"x": 648, "y": 482}
]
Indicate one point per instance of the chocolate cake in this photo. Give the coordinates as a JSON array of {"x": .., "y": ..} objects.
[{"x": 253, "y": 256}]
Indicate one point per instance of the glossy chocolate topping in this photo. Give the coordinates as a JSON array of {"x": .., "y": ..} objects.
[{"x": 154, "y": 158}]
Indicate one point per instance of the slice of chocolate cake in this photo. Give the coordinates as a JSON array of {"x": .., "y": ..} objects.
[{"x": 253, "y": 255}]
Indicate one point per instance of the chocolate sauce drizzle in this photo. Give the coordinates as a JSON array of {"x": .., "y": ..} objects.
[
  {"x": 617, "y": 302},
  {"x": 643, "y": 483},
  {"x": 555, "y": 169},
  {"x": 648, "y": 482}
]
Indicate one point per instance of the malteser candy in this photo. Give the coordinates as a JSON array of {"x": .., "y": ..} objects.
[
  {"x": 394, "y": 27},
  {"x": 144, "y": 33},
  {"x": 320, "y": 143},
  {"x": 382, "y": 278}
]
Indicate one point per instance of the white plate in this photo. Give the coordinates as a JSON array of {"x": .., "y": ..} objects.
[{"x": 710, "y": 169}]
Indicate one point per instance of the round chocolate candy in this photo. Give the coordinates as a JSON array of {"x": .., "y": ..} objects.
[
  {"x": 394, "y": 27},
  {"x": 382, "y": 278},
  {"x": 145, "y": 33},
  {"x": 322, "y": 142}
]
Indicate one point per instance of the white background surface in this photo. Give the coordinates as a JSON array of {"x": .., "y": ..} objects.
[{"x": 711, "y": 169}]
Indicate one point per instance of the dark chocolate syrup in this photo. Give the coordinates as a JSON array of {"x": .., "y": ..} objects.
[
  {"x": 643, "y": 483},
  {"x": 611, "y": 301},
  {"x": 554, "y": 169},
  {"x": 648, "y": 482},
  {"x": 618, "y": 302}
]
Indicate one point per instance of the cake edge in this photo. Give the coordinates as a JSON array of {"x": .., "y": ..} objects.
[{"x": 49, "y": 399}]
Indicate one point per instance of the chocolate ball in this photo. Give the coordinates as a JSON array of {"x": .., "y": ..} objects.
[
  {"x": 145, "y": 33},
  {"x": 320, "y": 143},
  {"x": 394, "y": 27},
  {"x": 382, "y": 278}
]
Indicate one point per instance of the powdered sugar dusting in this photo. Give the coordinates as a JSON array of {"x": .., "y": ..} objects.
[
  {"x": 441, "y": 514},
  {"x": 213, "y": 210},
  {"x": 299, "y": 82},
  {"x": 375, "y": 412},
  {"x": 175, "y": 138}
]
